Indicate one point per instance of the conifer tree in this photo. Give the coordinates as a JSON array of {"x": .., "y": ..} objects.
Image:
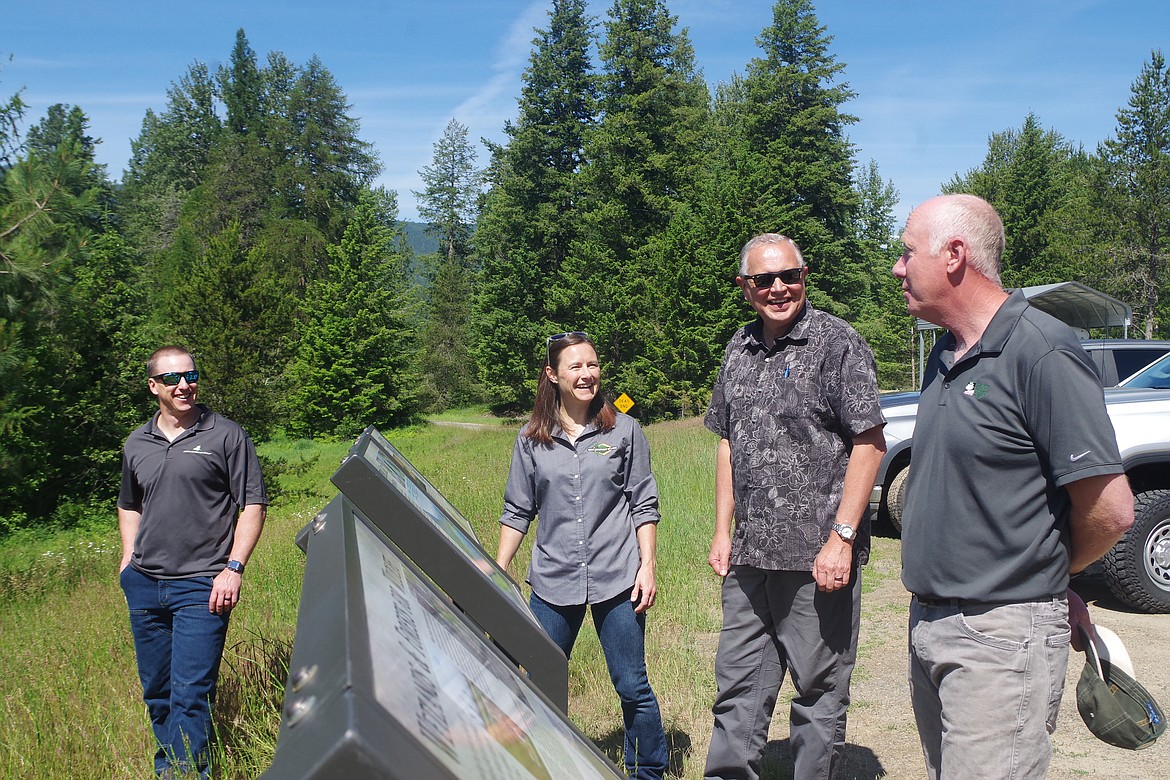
[
  {"x": 448, "y": 205},
  {"x": 645, "y": 160},
  {"x": 1024, "y": 175},
  {"x": 791, "y": 158},
  {"x": 1138, "y": 195},
  {"x": 355, "y": 357},
  {"x": 532, "y": 213}
]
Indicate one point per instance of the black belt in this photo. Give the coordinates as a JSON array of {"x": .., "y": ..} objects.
[
  {"x": 961, "y": 603},
  {"x": 943, "y": 602}
]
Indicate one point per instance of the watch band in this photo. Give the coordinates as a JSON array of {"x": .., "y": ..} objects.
[
  {"x": 235, "y": 566},
  {"x": 846, "y": 532}
]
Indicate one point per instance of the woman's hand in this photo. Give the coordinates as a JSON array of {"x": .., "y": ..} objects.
[{"x": 645, "y": 587}]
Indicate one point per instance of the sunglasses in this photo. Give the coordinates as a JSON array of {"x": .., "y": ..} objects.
[
  {"x": 557, "y": 337},
  {"x": 790, "y": 277},
  {"x": 172, "y": 378}
]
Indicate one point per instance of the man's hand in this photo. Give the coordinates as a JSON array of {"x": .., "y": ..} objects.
[
  {"x": 225, "y": 592},
  {"x": 720, "y": 556},
  {"x": 833, "y": 564},
  {"x": 1078, "y": 618}
]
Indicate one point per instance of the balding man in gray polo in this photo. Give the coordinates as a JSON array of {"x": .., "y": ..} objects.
[{"x": 1016, "y": 482}]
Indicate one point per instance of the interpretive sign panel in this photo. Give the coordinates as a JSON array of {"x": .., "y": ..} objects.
[
  {"x": 391, "y": 492},
  {"x": 389, "y": 680}
]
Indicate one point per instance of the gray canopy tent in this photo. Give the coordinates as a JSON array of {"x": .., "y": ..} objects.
[{"x": 1083, "y": 308}]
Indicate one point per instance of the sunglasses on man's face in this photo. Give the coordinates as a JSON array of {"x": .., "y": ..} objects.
[
  {"x": 172, "y": 378},
  {"x": 791, "y": 276}
]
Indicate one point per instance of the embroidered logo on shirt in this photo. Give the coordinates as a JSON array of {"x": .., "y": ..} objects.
[
  {"x": 601, "y": 448},
  {"x": 1075, "y": 458},
  {"x": 976, "y": 389},
  {"x": 198, "y": 450}
]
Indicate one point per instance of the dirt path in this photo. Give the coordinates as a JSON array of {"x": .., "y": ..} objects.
[{"x": 883, "y": 742}]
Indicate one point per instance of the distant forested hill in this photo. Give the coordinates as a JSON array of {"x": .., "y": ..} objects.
[{"x": 420, "y": 241}]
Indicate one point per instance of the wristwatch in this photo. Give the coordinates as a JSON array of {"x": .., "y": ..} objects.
[
  {"x": 236, "y": 566},
  {"x": 846, "y": 532}
]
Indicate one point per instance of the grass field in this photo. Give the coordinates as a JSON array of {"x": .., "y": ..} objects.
[{"x": 69, "y": 695}]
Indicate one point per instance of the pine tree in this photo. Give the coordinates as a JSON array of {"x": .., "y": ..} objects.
[
  {"x": 355, "y": 358},
  {"x": 646, "y": 159},
  {"x": 240, "y": 88},
  {"x": 1138, "y": 160},
  {"x": 448, "y": 206},
  {"x": 532, "y": 213},
  {"x": 1024, "y": 177},
  {"x": 448, "y": 203},
  {"x": 791, "y": 159}
]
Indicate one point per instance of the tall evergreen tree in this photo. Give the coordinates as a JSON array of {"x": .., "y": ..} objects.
[
  {"x": 532, "y": 213},
  {"x": 1138, "y": 160},
  {"x": 448, "y": 206},
  {"x": 453, "y": 184},
  {"x": 355, "y": 356},
  {"x": 791, "y": 158},
  {"x": 1024, "y": 176},
  {"x": 328, "y": 165},
  {"x": 241, "y": 89},
  {"x": 168, "y": 160},
  {"x": 68, "y": 308},
  {"x": 645, "y": 161},
  {"x": 881, "y": 319}
]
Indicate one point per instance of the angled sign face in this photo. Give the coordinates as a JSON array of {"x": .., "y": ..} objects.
[
  {"x": 395, "y": 497},
  {"x": 390, "y": 680}
]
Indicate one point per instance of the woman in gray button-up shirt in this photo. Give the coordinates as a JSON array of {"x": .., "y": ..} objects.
[{"x": 584, "y": 468}]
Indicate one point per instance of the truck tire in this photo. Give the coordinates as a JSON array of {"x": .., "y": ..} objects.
[
  {"x": 1137, "y": 569},
  {"x": 896, "y": 498}
]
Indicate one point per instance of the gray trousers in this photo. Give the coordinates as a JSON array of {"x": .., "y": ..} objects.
[
  {"x": 986, "y": 684},
  {"x": 775, "y": 622}
]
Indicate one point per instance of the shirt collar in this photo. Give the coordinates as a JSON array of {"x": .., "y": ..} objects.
[
  {"x": 999, "y": 329},
  {"x": 205, "y": 420},
  {"x": 753, "y": 332}
]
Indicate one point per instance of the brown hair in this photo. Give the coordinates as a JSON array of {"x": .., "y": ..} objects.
[
  {"x": 546, "y": 411},
  {"x": 152, "y": 363}
]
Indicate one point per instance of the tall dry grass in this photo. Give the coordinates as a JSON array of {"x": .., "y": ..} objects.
[{"x": 70, "y": 700}]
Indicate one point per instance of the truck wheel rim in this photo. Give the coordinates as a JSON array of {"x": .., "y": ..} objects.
[{"x": 1157, "y": 557}]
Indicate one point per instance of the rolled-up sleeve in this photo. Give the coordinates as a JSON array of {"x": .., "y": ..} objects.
[
  {"x": 641, "y": 487},
  {"x": 520, "y": 503}
]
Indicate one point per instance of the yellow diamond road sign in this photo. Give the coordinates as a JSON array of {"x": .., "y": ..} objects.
[{"x": 624, "y": 403}]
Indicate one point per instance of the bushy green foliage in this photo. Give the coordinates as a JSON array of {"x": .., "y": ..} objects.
[
  {"x": 532, "y": 214},
  {"x": 244, "y": 227},
  {"x": 355, "y": 362}
]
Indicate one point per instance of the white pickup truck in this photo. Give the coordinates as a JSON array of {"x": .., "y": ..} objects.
[{"x": 1137, "y": 569}]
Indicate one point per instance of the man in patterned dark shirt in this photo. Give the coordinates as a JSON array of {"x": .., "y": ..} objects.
[{"x": 796, "y": 409}]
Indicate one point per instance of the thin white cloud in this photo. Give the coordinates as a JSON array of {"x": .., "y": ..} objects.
[{"x": 495, "y": 100}]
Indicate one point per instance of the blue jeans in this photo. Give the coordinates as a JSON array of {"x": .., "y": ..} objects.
[
  {"x": 623, "y": 640},
  {"x": 179, "y": 643},
  {"x": 986, "y": 683}
]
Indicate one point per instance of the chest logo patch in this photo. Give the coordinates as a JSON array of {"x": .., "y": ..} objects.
[
  {"x": 601, "y": 448},
  {"x": 197, "y": 450},
  {"x": 976, "y": 389}
]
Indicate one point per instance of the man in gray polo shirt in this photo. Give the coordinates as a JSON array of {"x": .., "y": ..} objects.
[
  {"x": 190, "y": 511},
  {"x": 1016, "y": 483}
]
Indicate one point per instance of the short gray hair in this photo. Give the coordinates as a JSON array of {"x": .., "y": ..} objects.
[
  {"x": 767, "y": 239},
  {"x": 977, "y": 222}
]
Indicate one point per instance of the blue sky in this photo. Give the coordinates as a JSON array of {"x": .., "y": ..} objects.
[{"x": 933, "y": 79}]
